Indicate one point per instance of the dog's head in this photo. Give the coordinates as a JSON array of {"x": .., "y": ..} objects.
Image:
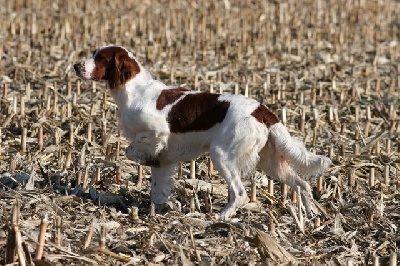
[{"x": 113, "y": 64}]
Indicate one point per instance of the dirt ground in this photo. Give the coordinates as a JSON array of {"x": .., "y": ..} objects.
[{"x": 329, "y": 69}]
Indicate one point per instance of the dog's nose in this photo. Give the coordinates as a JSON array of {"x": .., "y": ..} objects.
[{"x": 77, "y": 67}]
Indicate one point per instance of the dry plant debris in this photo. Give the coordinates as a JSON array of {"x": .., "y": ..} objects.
[{"x": 330, "y": 69}]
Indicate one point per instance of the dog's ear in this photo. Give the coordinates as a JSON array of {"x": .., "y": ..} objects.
[{"x": 121, "y": 69}]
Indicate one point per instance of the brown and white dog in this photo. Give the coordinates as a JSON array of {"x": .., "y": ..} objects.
[{"x": 167, "y": 124}]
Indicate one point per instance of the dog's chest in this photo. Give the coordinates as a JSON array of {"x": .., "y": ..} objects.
[{"x": 137, "y": 119}]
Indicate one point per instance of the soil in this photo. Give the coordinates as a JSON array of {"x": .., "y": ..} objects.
[{"x": 329, "y": 69}]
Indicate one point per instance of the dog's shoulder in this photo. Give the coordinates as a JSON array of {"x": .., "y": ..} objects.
[{"x": 169, "y": 96}]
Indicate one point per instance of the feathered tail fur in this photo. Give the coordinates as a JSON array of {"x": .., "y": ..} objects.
[{"x": 302, "y": 161}]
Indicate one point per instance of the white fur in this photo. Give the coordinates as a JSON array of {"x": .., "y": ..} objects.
[
  {"x": 302, "y": 160},
  {"x": 88, "y": 68},
  {"x": 237, "y": 145}
]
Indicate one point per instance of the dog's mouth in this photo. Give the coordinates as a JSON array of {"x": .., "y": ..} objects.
[{"x": 79, "y": 75}]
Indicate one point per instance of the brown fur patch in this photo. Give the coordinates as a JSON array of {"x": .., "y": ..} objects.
[
  {"x": 197, "y": 112},
  {"x": 169, "y": 96},
  {"x": 114, "y": 65},
  {"x": 265, "y": 116}
]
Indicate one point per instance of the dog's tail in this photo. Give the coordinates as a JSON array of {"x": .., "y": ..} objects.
[{"x": 295, "y": 153}]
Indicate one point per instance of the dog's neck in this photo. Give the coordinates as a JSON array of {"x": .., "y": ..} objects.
[{"x": 125, "y": 94}]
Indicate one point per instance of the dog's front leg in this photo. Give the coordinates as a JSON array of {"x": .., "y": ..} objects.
[
  {"x": 146, "y": 147},
  {"x": 162, "y": 183}
]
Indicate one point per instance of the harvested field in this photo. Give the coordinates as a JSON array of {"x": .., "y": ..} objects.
[{"x": 329, "y": 69}]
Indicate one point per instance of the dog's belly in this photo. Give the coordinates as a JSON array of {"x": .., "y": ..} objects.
[{"x": 186, "y": 146}]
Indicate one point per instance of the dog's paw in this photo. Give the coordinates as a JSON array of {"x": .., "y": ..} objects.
[
  {"x": 230, "y": 210},
  {"x": 141, "y": 157},
  {"x": 132, "y": 154},
  {"x": 160, "y": 197},
  {"x": 162, "y": 208},
  {"x": 161, "y": 191},
  {"x": 226, "y": 213}
]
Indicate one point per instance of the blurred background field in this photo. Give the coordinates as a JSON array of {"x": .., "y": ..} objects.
[{"x": 329, "y": 69}]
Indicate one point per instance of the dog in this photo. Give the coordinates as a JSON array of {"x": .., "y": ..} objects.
[{"x": 169, "y": 124}]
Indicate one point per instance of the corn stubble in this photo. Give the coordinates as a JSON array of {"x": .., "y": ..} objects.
[{"x": 329, "y": 69}]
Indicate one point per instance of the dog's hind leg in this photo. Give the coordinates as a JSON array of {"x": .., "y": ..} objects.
[
  {"x": 277, "y": 168},
  {"x": 230, "y": 171}
]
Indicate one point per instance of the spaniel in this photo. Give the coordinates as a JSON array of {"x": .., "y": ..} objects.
[{"x": 168, "y": 124}]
